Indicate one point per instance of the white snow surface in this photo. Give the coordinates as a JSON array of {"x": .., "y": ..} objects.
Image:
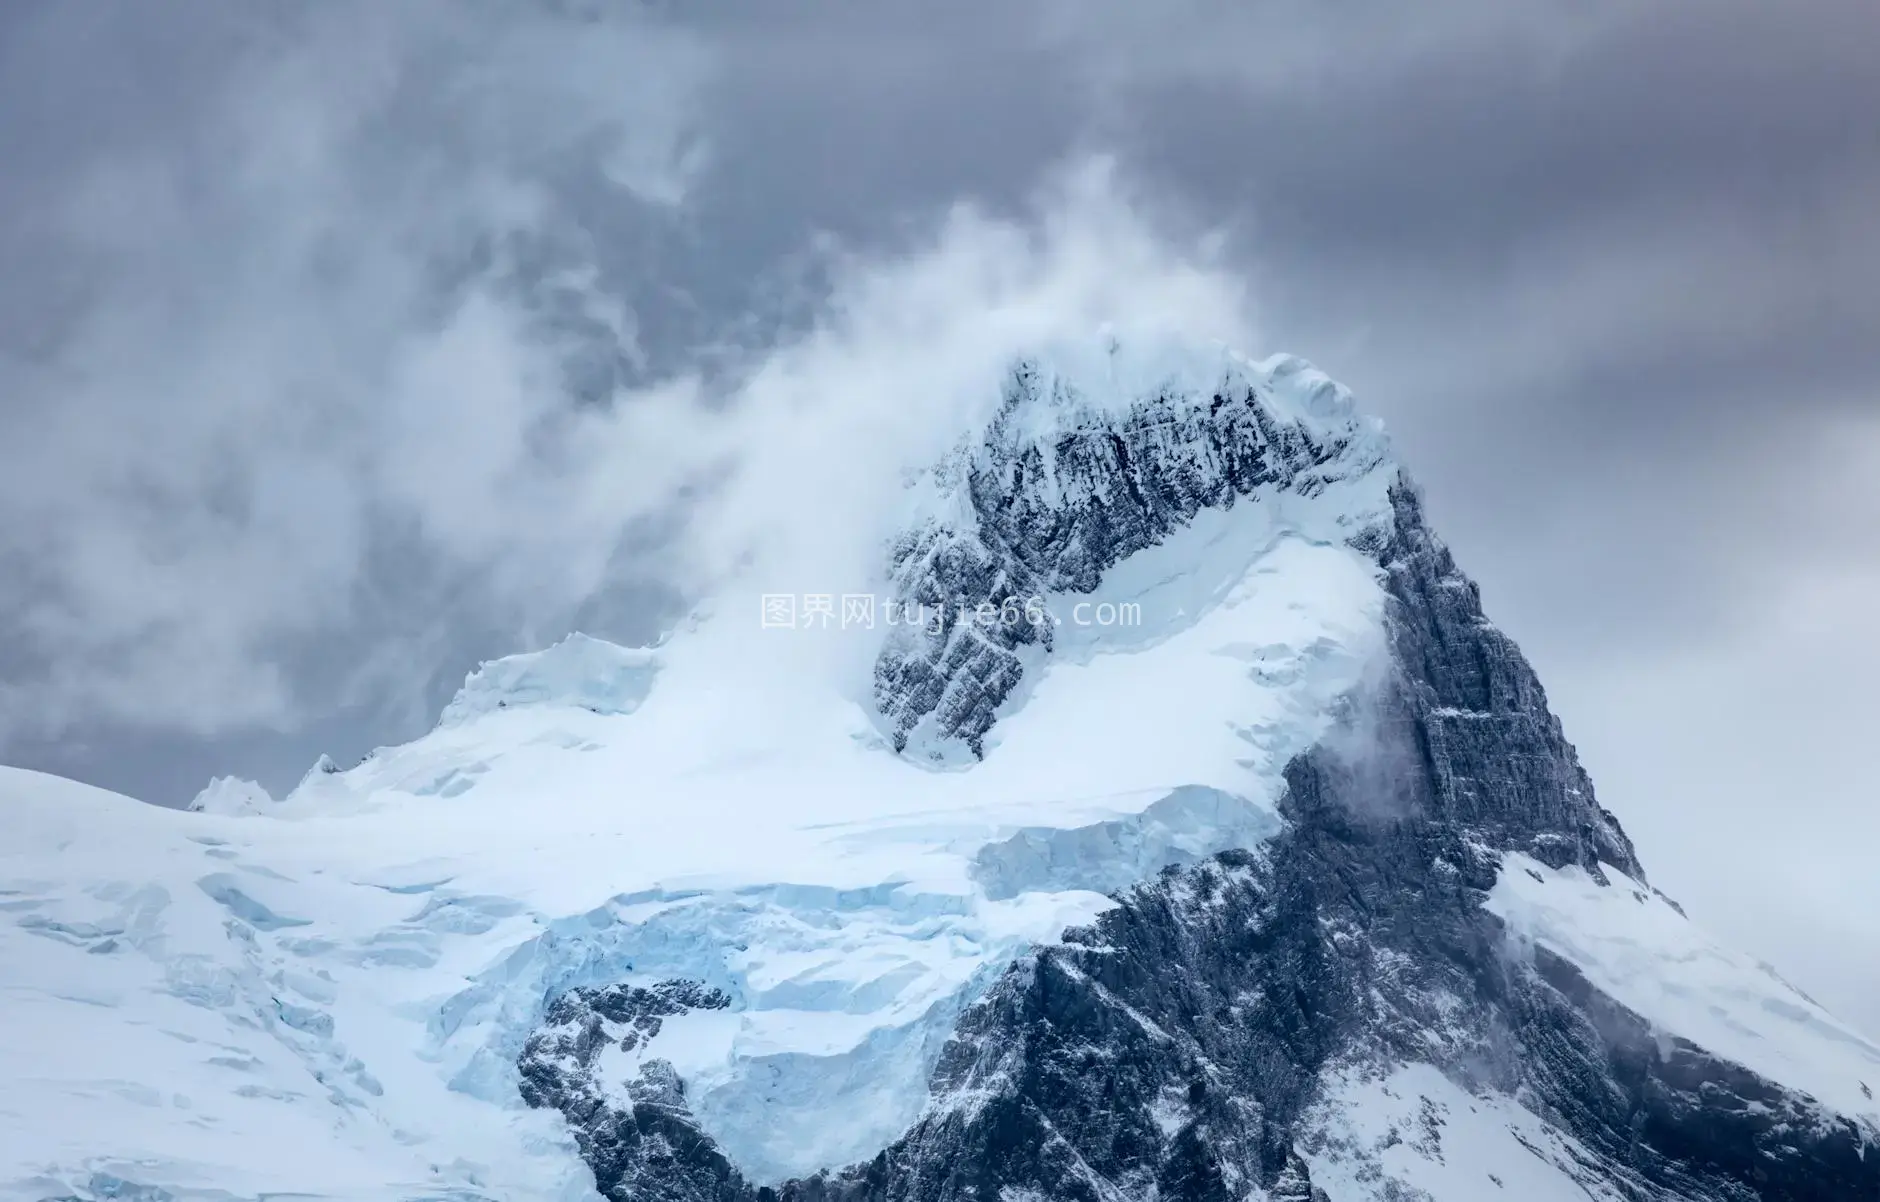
[
  {"x": 1636, "y": 948},
  {"x": 1376, "y": 1137}
]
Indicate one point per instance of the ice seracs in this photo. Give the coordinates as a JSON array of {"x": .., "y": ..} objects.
[{"x": 579, "y": 671}]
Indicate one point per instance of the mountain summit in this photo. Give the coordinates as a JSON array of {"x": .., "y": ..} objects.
[{"x": 1187, "y": 832}]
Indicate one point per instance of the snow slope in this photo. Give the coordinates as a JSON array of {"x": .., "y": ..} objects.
[
  {"x": 1375, "y": 1135},
  {"x": 1637, "y": 948}
]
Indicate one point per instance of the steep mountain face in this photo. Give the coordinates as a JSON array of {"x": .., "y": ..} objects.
[
  {"x": 1178, "y": 1048},
  {"x": 1228, "y": 1028},
  {"x": 1292, "y": 890}
]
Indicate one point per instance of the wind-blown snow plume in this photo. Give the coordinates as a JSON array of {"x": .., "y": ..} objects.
[
  {"x": 334, "y": 394},
  {"x": 911, "y": 351}
]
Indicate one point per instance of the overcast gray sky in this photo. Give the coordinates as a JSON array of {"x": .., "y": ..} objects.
[{"x": 296, "y": 301}]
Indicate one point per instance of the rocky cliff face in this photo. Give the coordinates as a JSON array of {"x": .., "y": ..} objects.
[
  {"x": 1194, "y": 1042},
  {"x": 1059, "y": 491}
]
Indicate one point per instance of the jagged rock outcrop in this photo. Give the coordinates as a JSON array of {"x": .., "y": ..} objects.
[
  {"x": 651, "y": 1138},
  {"x": 1058, "y": 491}
]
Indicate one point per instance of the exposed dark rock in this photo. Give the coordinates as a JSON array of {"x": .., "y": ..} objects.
[{"x": 650, "y": 1148}]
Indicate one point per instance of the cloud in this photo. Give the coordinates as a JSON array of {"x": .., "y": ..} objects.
[
  {"x": 351, "y": 372},
  {"x": 313, "y": 349}
]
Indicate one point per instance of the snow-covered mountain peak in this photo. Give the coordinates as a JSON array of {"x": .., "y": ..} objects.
[
  {"x": 1263, "y": 885},
  {"x": 1099, "y": 452}
]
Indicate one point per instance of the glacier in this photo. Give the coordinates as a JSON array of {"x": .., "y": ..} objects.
[{"x": 801, "y": 915}]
